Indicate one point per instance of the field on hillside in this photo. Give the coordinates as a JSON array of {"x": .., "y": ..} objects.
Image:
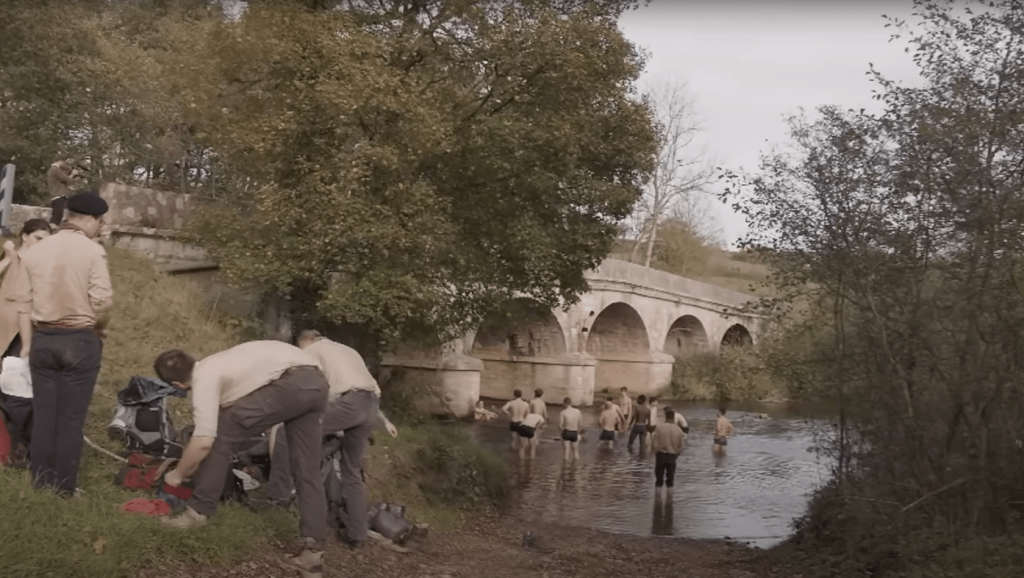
[{"x": 735, "y": 270}]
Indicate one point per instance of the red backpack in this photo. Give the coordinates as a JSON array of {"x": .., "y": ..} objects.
[{"x": 143, "y": 472}]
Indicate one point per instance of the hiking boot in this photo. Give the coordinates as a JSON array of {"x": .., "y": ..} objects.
[
  {"x": 268, "y": 505},
  {"x": 310, "y": 563},
  {"x": 185, "y": 521},
  {"x": 344, "y": 538}
]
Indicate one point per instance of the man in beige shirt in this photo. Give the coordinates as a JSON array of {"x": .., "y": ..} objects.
[
  {"x": 667, "y": 442},
  {"x": 240, "y": 393},
  {"x": 64, "y": 288},
  {"x": 353, "y": 407}
]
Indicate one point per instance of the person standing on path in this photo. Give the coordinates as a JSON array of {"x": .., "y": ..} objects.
[
  {"x": 570, "y": 421},
  {"x": 353, "y": 407},
  {"x": 516, "y": 410},
  {"x": 723, "y": 429},
  {"x": 667, "y": 443},
  {"x": 236, "y": 395},
  {"x": 638, "y": 423},
  {"x": 64, "y": 286}
]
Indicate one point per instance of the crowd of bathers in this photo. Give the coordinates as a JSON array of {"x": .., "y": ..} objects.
[{"x": 639, "y": 420}]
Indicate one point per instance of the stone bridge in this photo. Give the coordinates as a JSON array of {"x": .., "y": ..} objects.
[{"x": 626, "y": 332}]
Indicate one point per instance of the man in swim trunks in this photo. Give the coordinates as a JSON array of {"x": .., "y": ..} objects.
[
  {"x": 528, "y": 431},
  {"x": 516, "y": 410},
  {"x": 609, "y": 420},
  {"x": 723, "y": 429},
  {"x": 570, "y": 422},
  {"x": 638, "y": 423},
  {"x": 538, "y": 406},
  {"x": 680, "y": 420}
]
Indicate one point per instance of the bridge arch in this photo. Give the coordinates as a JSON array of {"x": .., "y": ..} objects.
[
  {"x": 618, "y": 330},
  {"x": 524, "y": 329},
  {"x": 737, "y": 335},
  {"x": 686, "y": 336}
]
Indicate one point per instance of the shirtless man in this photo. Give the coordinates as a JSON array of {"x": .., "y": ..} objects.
[
  {"x": 626, "y": 404},
  {"x": 538, "y": 406},
  {"x": 638, "y": 422},
  {"x": 528, "y": 431},
  {"x": 653, "y": 405},
  {"x": 723, "y": 429},
  {"x": 618, "y": 411},
  {"x": 516, "y": 410},
  {"x": 570, "y": 422},
  {"x": 609, "y": 420},
  {"x": 481, "y": 413}
]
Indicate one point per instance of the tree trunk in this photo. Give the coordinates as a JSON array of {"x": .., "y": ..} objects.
[{"x": 650, "y": 241}]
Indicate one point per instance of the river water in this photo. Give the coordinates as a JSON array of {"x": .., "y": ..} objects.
[{"x": 751, "y": 494}]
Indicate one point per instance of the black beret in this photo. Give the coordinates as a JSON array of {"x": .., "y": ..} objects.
[{"x": 88, "y": 203}]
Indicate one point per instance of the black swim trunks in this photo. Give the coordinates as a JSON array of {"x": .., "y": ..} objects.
[
  {"x": 513, "y": 427},
  {"x": 722, "y": 441},
  {"x": 607, "y": 435},
  {"x": 526, "y": 431},
  {"x": 570, "y": 436}
]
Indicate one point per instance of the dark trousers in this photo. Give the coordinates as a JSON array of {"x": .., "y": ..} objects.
[
  {"x": 664, "y": 469},
  {"x": 353, "y": 413},
  {"x": 297, "y": 399},
  {"x": 64, "y": 365}
]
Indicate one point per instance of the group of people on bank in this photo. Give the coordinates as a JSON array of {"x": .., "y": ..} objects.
[
  {"x": 639, "y": 420},
  {"x": 56, "y": 298}
]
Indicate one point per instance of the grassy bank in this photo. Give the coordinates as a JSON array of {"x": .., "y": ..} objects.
[{"x": 429, "y": 468}]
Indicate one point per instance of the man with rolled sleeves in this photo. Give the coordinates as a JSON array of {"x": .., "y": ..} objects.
[
  {"x": 64, "y": 286},
  {"x": 237, "y": 394}
]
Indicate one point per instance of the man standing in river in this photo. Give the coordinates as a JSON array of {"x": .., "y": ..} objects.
[
  {"x": 667, "y": 442},
  {"x": 609, "y": 420},
  {"x": 638, "y": 423},
  {"x": 516, "y": 410},
  {"x": 723, "y": 429},
  {"x": 626, "y": 404},
  {"x": 570, "y": 421},
  {"x": 538, "y": 406}
]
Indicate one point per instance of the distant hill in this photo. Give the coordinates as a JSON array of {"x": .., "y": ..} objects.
[{"x": 735, "y": 270}]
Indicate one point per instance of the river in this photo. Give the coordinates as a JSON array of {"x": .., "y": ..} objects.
[{"x": 752, "y": 494}]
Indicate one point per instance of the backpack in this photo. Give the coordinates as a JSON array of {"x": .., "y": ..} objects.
[
  {"x": 143, "y": 472},
  {"x": 141, "y": 420}
]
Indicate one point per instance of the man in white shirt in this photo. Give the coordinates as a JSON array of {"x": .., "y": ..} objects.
[
  {"x": 516, "y": 410},
  {"x": 237, "y": 394},
  {"x": 353, "y": 407},
  {"x": 570, "y": 421}
]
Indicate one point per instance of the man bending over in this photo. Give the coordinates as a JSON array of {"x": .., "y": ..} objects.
[{"x": 240, "y": 393}]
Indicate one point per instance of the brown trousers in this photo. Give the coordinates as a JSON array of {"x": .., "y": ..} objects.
[{"x": 297, "y": 399}]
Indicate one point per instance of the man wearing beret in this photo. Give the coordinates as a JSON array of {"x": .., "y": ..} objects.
[{"x": 64, "y": 286}]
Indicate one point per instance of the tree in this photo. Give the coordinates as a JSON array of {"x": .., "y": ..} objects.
[
  {"x": 418, "y": 167},
  {"x": 680, "y": 175},
  {"x": 905, "y": 229}
]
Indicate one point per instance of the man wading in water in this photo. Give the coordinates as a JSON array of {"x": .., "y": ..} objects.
[
  {"x": 723, "y": 429},
  {"x": 608, "y": 421},
  {"x": 638, "y": 423},
  {"x": 626, "y": 404},
  {"x": 569, "y": 422},
  {"x": 667, "y": 441},
  {"x": 516, "y": 410},
  {"x": 538, "y": 406},
  {"x": 528, "y": 431}
]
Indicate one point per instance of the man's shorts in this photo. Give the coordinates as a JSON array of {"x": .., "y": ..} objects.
[
  {"x": 526, "y": 431},
  {"x": 570, "y": 436},
  {"x": 639, "y": 429},
  {"x": 651, "y": 428},
  {"x": 722, "y": 441},
  {"x": 607, "y": 435},
  {"x": 513, "y": 427}
]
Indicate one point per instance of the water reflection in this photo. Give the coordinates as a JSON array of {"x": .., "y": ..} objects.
[{"x": 752, "y": 493}]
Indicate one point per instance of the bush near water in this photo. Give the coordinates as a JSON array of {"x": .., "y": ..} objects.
[{"x": 89, "y": 537}]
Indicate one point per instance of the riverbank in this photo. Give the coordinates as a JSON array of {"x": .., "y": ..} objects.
[{"x": 491, "y": 545}]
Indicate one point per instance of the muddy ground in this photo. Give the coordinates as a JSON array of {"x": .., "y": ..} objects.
[{"x": 492, "y": 547}]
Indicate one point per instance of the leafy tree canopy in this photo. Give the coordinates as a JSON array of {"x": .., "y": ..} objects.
[{"x": 386, "y": 163}]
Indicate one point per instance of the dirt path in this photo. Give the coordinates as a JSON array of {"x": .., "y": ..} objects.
[{"x": 493, "y": 548}]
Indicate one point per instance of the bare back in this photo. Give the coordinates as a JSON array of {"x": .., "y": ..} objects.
[{"x": 609, "y": 418}]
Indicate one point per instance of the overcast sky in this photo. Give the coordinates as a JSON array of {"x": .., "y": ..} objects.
[{"x": 748, "y": 64}]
